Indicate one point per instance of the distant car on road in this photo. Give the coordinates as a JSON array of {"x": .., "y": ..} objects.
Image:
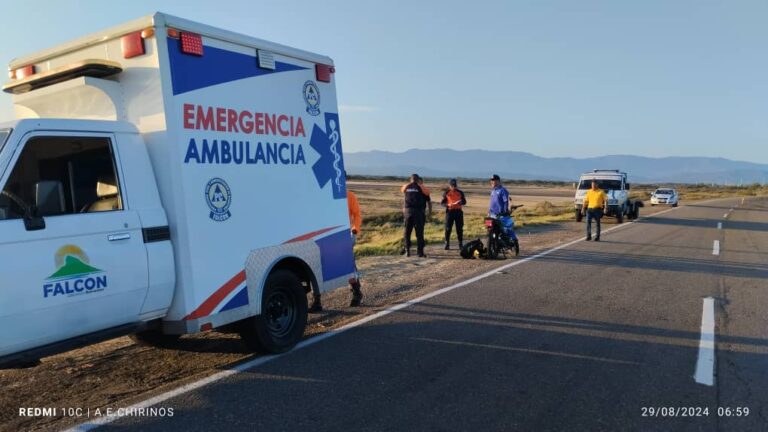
[{"x": 665, "y": 196}]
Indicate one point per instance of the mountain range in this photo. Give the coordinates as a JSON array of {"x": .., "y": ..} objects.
[{"x": 526, "y": 166}]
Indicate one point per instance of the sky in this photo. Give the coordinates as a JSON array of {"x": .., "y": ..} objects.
[{"x": 557, "y": 78}]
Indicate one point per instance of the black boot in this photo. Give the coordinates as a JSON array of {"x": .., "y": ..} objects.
[
  {"x": 447, "y": 245},
  {"x": 357, "y": 295},
  {"x": 316, "y": 305}
]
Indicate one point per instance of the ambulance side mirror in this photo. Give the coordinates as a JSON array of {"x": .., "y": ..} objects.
[{"x": 33, "y": 222}]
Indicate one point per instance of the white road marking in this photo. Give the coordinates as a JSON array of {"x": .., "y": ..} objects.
[
  {"x": 705, "y": 364},
  {"x": 725, "y": 216},
  {"x": 716, "y": 247},
  {"x": 101, "y": 421},
  {"x": 719, "y": 225}
]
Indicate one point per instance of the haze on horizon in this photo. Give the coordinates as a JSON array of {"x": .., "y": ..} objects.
[{"x": 556, "y": 79}]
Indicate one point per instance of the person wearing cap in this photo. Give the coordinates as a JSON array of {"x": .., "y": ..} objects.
[
  {"x": 416, "y": 200},
  {"x": 355, "y": 222},
  {"x": 499, "y": 198},
  {"x": 594, "y": 206},
  {"x": 452, "y": 200}
]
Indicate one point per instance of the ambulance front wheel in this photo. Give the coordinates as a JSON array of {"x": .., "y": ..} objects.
[{"x": 283, "y": 315}]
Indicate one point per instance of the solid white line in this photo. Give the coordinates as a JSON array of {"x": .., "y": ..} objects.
[
  {"x": 719, "y": 225},
  {"x": 716, "y": 247},
  {"x": 101, "y": 421},
  {"x": 705, "y": 364}
]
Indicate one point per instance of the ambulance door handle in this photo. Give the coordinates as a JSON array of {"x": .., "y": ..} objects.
[{"x": 118, "y": 236}]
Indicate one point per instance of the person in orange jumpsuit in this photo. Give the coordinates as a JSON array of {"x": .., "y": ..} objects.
[{"x": 355, "y": 222}]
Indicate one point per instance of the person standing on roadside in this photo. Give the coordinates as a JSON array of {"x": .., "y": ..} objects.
[
  {"x": 416, "y": 200},
  {"x": 499, "y": 205},
  {"x": 453, "y": 199},
  {"x": 594, "y": 206},
  {"x": 355, "y": 222}
]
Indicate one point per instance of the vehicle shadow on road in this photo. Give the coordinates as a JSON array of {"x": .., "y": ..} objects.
[
  {"x": 444, "y": 367},
  {"x": 707, "y": 223},
  {"x": 514, "y": 318},
  {"x": 681, "y": 247},
  {"x": 659, "y": 263}
]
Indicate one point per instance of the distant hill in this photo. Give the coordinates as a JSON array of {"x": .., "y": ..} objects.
[{"x": 526, "y": 166}]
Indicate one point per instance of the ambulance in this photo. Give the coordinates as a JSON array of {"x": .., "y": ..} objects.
[{"x": 165, "y": 177}]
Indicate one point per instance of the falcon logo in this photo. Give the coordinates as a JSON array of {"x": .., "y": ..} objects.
[{"x": 74, "y": 274}]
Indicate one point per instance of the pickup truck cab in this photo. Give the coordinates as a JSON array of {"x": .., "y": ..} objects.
[
  {"x": 84, "y": 239},
  {"x": 615, "y": 185}
]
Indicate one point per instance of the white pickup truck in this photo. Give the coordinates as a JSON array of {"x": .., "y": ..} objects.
[
  {"x": 166, "y": 177},
  {"x": 614, "y": 184}
]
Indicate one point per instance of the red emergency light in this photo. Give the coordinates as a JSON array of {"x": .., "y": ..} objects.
[
  {"x": 323, "y": 72},
  {"x": 191, "y": 43},
  {"x": 132, "y": 44},
  {"x": 23, "y": 72}
]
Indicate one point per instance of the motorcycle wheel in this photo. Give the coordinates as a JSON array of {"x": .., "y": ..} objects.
[
  {"x": 517, "y": 248},
  {"x": 493, "y": 247}
]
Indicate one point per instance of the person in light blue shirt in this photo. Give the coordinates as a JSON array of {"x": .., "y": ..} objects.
[{"x": 499, "y": 198}]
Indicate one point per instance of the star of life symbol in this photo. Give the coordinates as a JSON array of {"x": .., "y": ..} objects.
[{"x": 330, "y": 166}]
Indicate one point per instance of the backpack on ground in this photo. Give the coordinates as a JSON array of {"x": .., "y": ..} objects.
[{"x": 472, "y": 249}]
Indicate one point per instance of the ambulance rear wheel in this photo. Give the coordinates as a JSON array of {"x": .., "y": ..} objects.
[{"x": 283, "y": 315}]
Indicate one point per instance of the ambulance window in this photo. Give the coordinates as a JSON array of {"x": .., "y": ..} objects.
[{"x": 62, "y": 175}]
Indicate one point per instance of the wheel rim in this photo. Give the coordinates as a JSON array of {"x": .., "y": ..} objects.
[{"x": 281, "y": 313}]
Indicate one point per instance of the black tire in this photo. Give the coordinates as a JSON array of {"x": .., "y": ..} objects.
[
  {"x": 619, "y": 217},
  {"x": 517, "y": 247},
  {"x": 492, "y": 251},
  {"x": 674, "y": 205},
  {"x": 283, "y": 315},
  {"x": 636, "y": 213},
  {"x": 154, "y": 338},
  {"x": 579, "y": 216}
]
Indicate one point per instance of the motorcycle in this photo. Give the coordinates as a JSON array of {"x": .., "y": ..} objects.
[{"x": 501, "y": 234}]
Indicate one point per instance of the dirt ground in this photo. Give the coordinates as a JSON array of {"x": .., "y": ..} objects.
[{"x": 118, "y": 372}]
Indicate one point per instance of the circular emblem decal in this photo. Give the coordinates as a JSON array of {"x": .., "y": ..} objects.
[
  {"x": 219, "y": 197},
  {"x": 312, "y": 98}
]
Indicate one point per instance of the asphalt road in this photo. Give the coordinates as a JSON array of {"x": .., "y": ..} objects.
[{"x": 589, "y": 337}]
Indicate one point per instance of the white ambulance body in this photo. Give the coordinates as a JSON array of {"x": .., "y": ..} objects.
[{"x": 166, "y": 177}]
